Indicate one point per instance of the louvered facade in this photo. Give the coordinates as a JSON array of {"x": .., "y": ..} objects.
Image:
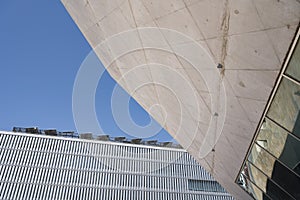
[{"x": 45, "y": 167}]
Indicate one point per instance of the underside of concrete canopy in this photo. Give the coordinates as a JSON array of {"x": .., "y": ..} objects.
[{"x": 210, "y": 65}]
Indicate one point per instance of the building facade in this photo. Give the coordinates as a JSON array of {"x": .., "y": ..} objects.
[
  {"x": 242, "y": 48},
  {"x": 271, "y": 169},
  {"x": 35, "y": 166}
]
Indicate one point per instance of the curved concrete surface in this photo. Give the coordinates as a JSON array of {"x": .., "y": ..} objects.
[{"x": 210, "y": 64}]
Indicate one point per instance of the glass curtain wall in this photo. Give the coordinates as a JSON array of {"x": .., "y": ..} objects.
[{"x": 272, "y": 168}]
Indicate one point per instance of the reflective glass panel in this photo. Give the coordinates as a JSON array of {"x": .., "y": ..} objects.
[
  {"x": 276, "y": 193},
  {"x": 286, "y": 179},
  {"x": 252, "y": 189},
  {"x": 262, "y": 159},
  {"x": 272, "y": 138},
  {"x": 286, "y": 105},
  {"x": 267, "y": 185},
  {"x": 281, "y": 144},
  {"x": 256, "y": 176},
  {"x": 264, "y": 183},
  {"x": 294, "y": 66},
  {"x": 273, "y": 162}
]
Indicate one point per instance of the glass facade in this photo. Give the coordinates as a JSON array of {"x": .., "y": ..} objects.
[
  {"x": 272, "y": 167},
  {"x": 47, "y": 167}
]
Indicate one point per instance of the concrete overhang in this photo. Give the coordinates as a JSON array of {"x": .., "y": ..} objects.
[{"x": 211, "y": 65}]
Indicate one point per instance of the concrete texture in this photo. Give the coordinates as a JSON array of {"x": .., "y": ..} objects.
[{"x": 249, "y": 38}]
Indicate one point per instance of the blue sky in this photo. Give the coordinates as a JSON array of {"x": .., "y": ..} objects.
[{"x": 41, "y": 50}]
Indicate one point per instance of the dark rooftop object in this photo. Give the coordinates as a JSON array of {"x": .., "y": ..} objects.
[
  {"x": 26, "y": 130},
  {"x": 32, "y": 130},
  {"x": 151, "y": 142},
  {"x": 50, "y": 132},
  {"x": 120, "y": 139},
  {"x": 136, "y": 141},
  {"x": 103, "y": 137},
  {"x": 167, "y": 144},
  {"x": 88, "y": 136}
]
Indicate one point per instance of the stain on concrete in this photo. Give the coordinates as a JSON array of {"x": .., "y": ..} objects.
[
  {"x": 242, "y": 84},
  {"x": 225, "y": 29}
]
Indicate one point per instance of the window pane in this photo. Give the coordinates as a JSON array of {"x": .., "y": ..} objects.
[
  {"x": 293, "y": 69},
  {"x": 248, "y": 186},
  {"x": 255, "y": 176},
  {"x": 289, "y": 181},
  {"x": 262, "y": 159},
  {"x": 276, "y": 171},
  {"x": 285, "y": 106},
  {"x": 276, "y": 193},
  {"x": 281, "y": 144},
  {"x": 265, "y": 184},
  {"x": 272, "y": 138}
]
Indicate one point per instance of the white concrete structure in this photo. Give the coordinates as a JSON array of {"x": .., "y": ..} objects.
[
  {"x": 34, "y": 166},
  {"x": 248, "y": 38}
]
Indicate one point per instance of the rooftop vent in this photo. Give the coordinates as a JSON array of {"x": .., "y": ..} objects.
[
  {"x": 151, "y": 142},
  {"x": 103, "y": 137},
  {"x": 136, "y": 141},
  {"x": 120, "y": 139},
  {"x": 26, "y": 130},
  {"x": 167, "y": 144},
  {"x": 50, "y": 132},
  {"x": 88, "y": 136}
]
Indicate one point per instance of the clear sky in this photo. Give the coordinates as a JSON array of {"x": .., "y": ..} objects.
[{"x": 41, "y": 50}]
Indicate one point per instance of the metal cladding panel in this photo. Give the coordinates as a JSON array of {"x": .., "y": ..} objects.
[{"x": 45, "y": 167}]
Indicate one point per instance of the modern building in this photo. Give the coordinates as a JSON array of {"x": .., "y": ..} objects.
[
  {"x": 36, "y": 166},
  {"x": 225, "y": 60},
  {"x": 271, "y": 169}
]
